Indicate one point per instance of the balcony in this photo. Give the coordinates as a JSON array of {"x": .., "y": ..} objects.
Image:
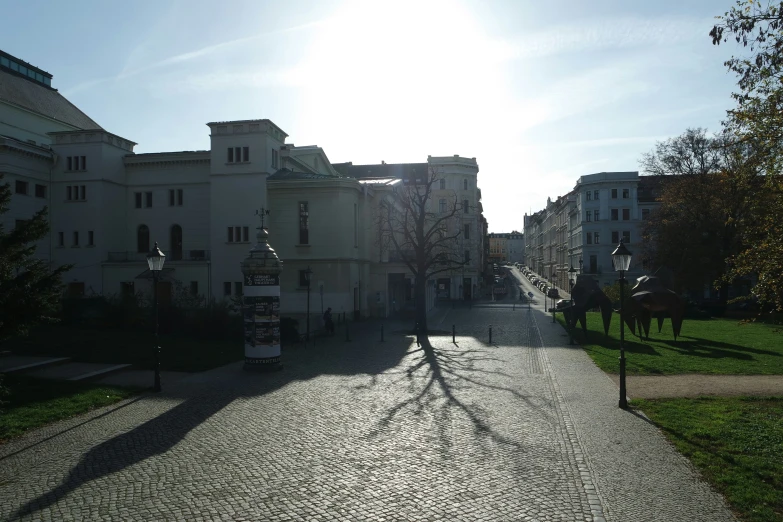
[{"x": 185, "y": 255}]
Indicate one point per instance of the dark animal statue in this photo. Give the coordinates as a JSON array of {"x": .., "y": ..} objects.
[
  {"x": 587, "y": 295},
  {"x": 649, "y": 297}
]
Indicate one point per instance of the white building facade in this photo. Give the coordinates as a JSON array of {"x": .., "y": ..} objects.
[{"x": 108, "y": 206}]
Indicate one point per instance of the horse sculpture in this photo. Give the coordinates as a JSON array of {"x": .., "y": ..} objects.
[
  {"x": 586, "y": 294},
  {"x": 649, "y": 297}
]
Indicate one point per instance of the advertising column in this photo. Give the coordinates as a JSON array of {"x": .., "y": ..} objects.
[{"x": 261, "y": 306}]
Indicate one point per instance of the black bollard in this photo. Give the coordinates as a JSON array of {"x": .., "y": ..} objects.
[
  {"x": 490, "y": 334},
  {"x": 454, "y": 334},
  {"x": 418, "y": 343},
  {"x": 381, "y": 333}
]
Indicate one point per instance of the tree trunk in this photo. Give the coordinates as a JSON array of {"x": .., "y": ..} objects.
[{"x": 420, "y": 297}]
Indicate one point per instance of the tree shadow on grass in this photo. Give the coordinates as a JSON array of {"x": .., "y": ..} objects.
[
  {"x": 435, "y": 381},
  {"x": 715, "y": 349},
  {"x": 204, "y": 399}
]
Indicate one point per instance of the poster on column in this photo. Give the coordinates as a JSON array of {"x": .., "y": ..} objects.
[{"x": 261, "y": 312}]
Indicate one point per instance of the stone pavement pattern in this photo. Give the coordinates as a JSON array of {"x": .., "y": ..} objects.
[{"x": 366, "y": 431}]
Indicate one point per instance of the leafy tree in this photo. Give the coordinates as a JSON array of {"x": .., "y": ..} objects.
[
  {"x": 758, "y": 121},
  {"x": 705, "y": 198},
  {"x": 426, "y": 239},
  {"x": 30, "y": 291}
]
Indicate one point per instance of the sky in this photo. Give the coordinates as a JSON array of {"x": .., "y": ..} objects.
[{"x": 539, "y": 93}]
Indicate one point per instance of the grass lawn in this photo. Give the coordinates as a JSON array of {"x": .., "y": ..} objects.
[
  {"x": 33, "y": 403},
  {"x": 178, "y": 353},
  {"x": 711, "y": 346},
  {"x": 737, "y": 444}
]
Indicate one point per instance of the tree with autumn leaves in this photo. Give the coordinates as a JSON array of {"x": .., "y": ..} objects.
[{"x": 721, "y": 213}]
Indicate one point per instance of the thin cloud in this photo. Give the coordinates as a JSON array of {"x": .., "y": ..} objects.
[
  {"x": 192, "y": 55},
  {"x": 614, "y": 33}
]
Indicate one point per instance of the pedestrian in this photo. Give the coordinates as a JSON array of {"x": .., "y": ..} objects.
[{"x": 328, "y": 321}]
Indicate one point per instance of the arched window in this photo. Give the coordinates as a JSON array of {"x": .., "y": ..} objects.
[
  {"x": 465, "y": 184},
  {"x": 176, "y": 242},
  {"x": 143, "y": 239}
]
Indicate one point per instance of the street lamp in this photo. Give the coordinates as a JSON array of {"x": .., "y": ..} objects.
[
  {"x": 571, "y": 272},
  {"x": 308, "y": 273},
  {"x": 621, "y": 258},
  {"x": 155, "y": 260}
]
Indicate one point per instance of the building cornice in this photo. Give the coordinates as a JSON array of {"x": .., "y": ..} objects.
[
  {"x": 157, "y": 160},
  {"x": 20, "y": 148}
]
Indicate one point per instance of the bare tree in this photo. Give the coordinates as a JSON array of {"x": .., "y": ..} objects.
[{"x": 425, "y": 238}]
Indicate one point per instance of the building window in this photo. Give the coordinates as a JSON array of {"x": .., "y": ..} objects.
[
  {"x": 21, "y": 187},
  {"x": 70, "y": 163},
  {"x": 626, "y": 214},
  {"x": 172, "y": 197},
  {"x": 465, "y": 184},
  {"x": 238, "y": 288},
  {"x": 595, "y": 195},
  {"x": 595, "y": 215},
  {"x": 76, "y": 239},
  {"x": 588, "y": 196},
  {"x": 175, "y": 197},
  {"x": 245, "y": 153},
  {"x": 148, "y": 199},
  {"x": 40, "y": 191},
  {"x": 230, "y": 159},
  {"x": 442, "y": 206},
  {"x": 645, "y": 213},
  {"x": 626, "y": 236},
  {"x": 614, "y": 193},
  {"x": 77, "y": 162},
  {"x": 465, "y": 205},
  {"x": 194, "y": 288},
  {"x": 60, "y": 239},
  {"x": 304, "y": 223},
  {"x": 69, "y": 194},
  {"x": 443, "y": 184},
  {"x": 82, "y": 192},
  {"x": 466, "y": 232},
  {"x": 143, "y": 239},
  {"x": 588, "y": 215},
  {"x": 137, "y": 196},
  {"x": 626, "y": 193},
  {"x": 275, "y": 158},
  {"x": 595, "y": 238},
  {"x": 230, "y": 237},
  {"x": 90, "y": 238},
  {"x": 615, "y": 214},
  {"x": 227, "y": 284},
  {"x": 589, "y": 238},
  {"x": 180, "y": 197},
  {"x": 303, "y": 279},
  {"x": 615, "y": 237}
]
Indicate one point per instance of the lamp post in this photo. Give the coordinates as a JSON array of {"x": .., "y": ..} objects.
[
  {"x": 621, "y": 258},
  {"x": 155, "y": 260},
  {"x": 308, "y": 275},
  {"x": 580, "y": 265},
  {"x": 571, "y": 272}
]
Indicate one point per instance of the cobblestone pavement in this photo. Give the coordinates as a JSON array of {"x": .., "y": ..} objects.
[{"x": 364, "y": 431}]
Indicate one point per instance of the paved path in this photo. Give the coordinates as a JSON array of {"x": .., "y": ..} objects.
[{"x": 524, "y": 429}]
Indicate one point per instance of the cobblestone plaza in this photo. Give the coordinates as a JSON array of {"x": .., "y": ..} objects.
[{"x": 526, "y": 428}]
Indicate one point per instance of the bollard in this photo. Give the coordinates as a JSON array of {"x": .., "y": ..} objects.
[
  {"x": 454, "y": 333},
  {"x": 347, "y": 336},
  {"x": 381, "y": 333},
  {"x": 490, "y": 334},
  {"x": 417, "y": 335}
]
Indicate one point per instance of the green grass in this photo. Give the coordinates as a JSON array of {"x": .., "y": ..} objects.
[
  {"x": 33, "y": 403},
  {"x": 736, "y": 443},
  {"x": 178, "y": 353},
  {"x": 709, "y": 346}
]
